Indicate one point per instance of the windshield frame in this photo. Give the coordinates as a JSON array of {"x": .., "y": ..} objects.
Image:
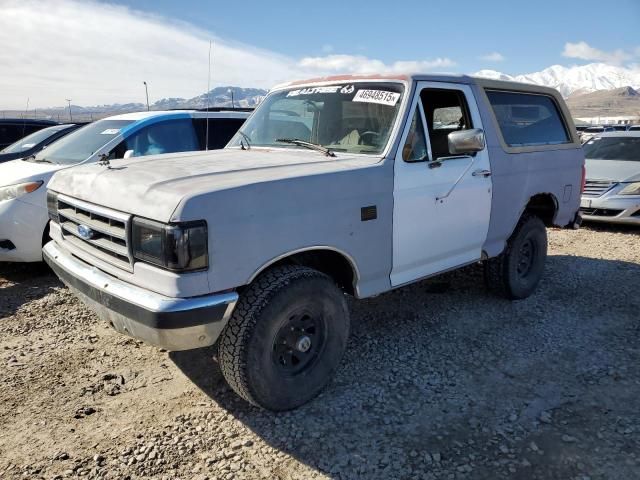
[{"x": 407, "y": 93}]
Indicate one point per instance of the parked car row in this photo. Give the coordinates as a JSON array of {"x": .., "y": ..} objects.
[
  {"x": 588, "y": 132},
  {"x": 23, "y": 207}
]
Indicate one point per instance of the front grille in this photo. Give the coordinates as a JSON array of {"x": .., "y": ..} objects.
[
  {"x": 109, "y": 230},
  {"x": 601, "y": 212},
  {"x": 595, "y": 188}
]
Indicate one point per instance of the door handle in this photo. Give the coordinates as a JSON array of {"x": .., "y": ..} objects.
[{"x": 482, "y": 173}]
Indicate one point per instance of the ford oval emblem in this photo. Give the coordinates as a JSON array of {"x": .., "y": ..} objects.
[{"x": 85, "y": 232}]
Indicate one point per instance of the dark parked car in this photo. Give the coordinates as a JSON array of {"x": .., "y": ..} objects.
[
  {"x": 32, "y": 144},
  {"x": 12, "y": 129}
]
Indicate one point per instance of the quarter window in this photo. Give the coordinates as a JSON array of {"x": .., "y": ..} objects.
[{"x": 528, "y": 119}]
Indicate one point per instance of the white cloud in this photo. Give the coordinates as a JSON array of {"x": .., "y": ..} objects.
[
  {"x": 99, "y": 53},
  {"x": 584, "y": 51},
  {"x": 493, "y": 57},
  {"x": 361, "y": 64}
]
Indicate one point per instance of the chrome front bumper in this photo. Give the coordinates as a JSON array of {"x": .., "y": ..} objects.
[
  {"x": 611, "y": 209},
  {"x": 171, "y": 323}
]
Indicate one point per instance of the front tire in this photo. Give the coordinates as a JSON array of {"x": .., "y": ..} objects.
[
  {"x": 516, "y": 272},
  {"x": 285, "y": 338}
]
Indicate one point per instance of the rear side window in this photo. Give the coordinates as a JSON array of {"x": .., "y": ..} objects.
[
  {"x": 528, "y": 119},
  {"x": 221, "y": 130},
  {"x": 167, "y": 136}
]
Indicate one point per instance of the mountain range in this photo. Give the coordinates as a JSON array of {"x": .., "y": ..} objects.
[
  {"x": 575, "y": 80},
  {"x": 623, "y": 101},
  {"x": 572, "y": 82},
  {"x": 218, "y": 97}
]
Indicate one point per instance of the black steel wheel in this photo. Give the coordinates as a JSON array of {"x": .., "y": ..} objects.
[
  {"x": 516, "y": 272},
  {"x": 299, "y": 342},
  {"x": 285, "y": 338}
]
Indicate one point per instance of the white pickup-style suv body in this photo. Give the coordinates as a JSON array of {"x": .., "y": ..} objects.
[{"x": 353, "y": 185}]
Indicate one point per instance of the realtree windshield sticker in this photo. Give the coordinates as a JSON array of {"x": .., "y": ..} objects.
[
  {"x": 344, "y": 89},
  {"x": 377, "y": 96},
  {"x": 110, "y": 131}
]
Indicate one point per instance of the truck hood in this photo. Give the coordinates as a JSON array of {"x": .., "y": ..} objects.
[
  {"x": 615, "y": 170},
  {"x": 19, "y": 171},
  {"x": 155, "y": 185}
]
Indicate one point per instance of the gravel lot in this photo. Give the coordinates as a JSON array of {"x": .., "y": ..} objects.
[{"x": 440, "y": 380}]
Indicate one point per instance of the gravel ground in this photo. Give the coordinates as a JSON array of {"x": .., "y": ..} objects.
[{"x": 440, "y": 381}]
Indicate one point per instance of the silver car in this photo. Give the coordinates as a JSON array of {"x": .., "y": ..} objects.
[{"x": 612, "y": 188}]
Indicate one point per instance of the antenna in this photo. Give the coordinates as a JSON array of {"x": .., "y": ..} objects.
[{"x": 206, "y": 135}]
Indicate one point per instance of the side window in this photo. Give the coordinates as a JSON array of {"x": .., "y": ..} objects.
[
  {"x": 167, "y": 136},
  {"x": 415, "y": 147},
  {"x": 527, "y": 119},
  {"x": 221, "y": 130},
  {"x": 446, "y": 111},
  {"x": 9, "y": 134}
]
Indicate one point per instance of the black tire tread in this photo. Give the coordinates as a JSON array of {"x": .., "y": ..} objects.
[
  {"x": 495, "y": 269},
  {"x": 232, "y": 351}
]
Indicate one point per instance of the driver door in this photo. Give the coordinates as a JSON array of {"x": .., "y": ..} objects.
[{"x": 442, "y": 202}]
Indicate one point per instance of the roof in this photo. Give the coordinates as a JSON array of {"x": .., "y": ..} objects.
[
  {"x": 144, "y": 115},
  {"x": 27, "y": 121},
  {"x": 621, "y": 133},
  {"x": 138, "y": 116},
  {"x": 424, "y": 77}
]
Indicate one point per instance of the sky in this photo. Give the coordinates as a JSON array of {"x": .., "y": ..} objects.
[{"x": 98, "y": 52}]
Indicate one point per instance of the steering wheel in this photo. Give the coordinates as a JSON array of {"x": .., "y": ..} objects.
[{"x": 370, "y": 133}]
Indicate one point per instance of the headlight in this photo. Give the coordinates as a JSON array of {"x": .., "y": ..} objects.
[
  {"x": 631, "y": 189},
  {"x": 176, "y": 246},
  {"x": 10, "y": 192}
]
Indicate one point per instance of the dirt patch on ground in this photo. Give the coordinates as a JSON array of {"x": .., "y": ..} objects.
[{"x": 441, "y": 380}]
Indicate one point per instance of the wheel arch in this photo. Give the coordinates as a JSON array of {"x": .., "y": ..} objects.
[
  {"x": 336, "y": 263},
  {"x": 543, "y": 205}
]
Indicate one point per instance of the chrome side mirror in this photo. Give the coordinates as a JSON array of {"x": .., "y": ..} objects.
[{"x": 464, "y": 142}]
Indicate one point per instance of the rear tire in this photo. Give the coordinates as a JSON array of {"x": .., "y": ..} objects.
[
  {"x": 516, "y": 272},
  {"x": 285, "y": 339}
]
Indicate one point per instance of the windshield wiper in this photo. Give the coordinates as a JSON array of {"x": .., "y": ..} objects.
[
  {"x": 312, "y": 146},
  {"x": 247, "y": 139},
  {"x": 41, "y": 160},
  {"x": 29, "y": 157}
]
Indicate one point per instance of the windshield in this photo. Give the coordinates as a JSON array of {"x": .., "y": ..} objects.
[
  {"x": 613, "y": 148},
  {"x": 81, "y": 144},
  {"x": 348, "y": 117},
  {"x": 32, "y": 140}
]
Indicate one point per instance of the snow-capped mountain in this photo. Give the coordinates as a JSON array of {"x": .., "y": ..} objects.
[{"x": 577, "y": 79}]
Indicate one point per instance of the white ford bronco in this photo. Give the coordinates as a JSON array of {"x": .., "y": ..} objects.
[{"x": 349, "y": 185}]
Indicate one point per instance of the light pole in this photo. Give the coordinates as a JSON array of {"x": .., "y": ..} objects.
[
  {"x": 232, "y": 103},
  {"x": 69, "y": 102},
  {"x": 146, "y": 91}
]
